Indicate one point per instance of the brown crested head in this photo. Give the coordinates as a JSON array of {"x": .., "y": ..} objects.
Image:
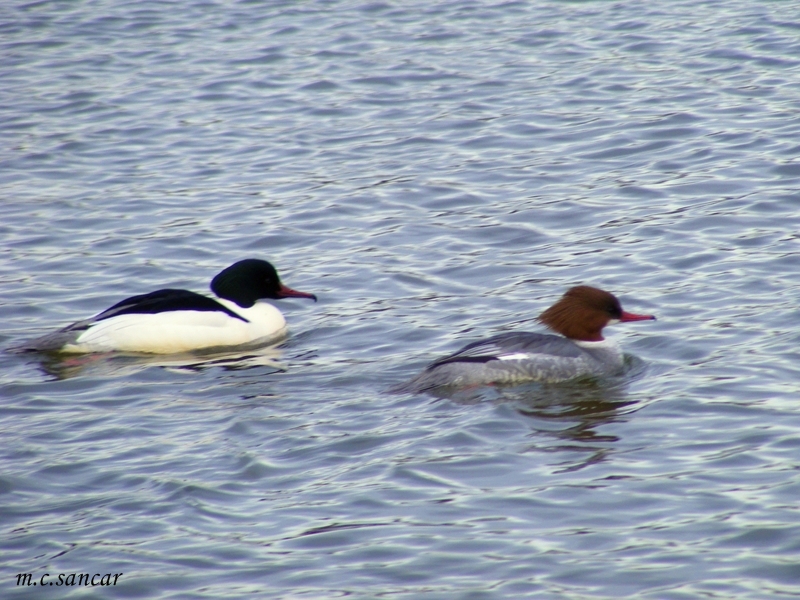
[{"x": 582, "y": 312}]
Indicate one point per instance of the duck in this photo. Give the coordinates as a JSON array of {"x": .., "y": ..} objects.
[
  {"x": 170, "y": 321},
  {"x": 575, "y": 349}
]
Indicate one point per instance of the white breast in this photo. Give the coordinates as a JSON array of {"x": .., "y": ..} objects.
[{"x": 606, "y": 352}]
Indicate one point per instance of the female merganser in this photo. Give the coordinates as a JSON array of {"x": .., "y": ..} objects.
[
  {"x": 511, "y": 358},
  {"x": 170, "y": 321}
]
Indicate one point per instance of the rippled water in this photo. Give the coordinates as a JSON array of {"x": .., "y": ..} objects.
[{"x": 434, "y": 173}]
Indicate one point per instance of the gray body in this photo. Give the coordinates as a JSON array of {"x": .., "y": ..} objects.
[{"x": 512, "y": 358}]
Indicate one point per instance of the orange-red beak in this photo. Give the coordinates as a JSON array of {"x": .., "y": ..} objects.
[
  {"x": 626, "y": 317},
  {"x": 287, "y": 292}
]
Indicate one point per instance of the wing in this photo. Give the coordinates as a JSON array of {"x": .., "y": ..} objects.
[
  {"x": 511, "y": 345},
  {"x": 163, "y": 301}
]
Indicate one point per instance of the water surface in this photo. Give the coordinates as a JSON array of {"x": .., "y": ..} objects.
[{"x": 434, "y": 173}]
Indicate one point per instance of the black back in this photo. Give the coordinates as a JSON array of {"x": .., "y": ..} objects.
[{"x": 164, "y": 301}]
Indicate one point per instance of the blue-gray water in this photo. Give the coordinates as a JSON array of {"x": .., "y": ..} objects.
[{"x": 434, "y": 172}]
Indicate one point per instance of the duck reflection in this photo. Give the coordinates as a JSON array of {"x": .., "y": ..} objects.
[
  {"x": 588, "y": 403},
  {"x": 67, "y": 366},
  {"x": 564, "y": 417}
]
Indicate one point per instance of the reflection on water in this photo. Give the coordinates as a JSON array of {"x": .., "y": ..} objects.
[
  {"x": 66, "y": 366},
  {"x": 576, "y": 409},
  {"x": 563, "y": 417},
  {"x": 580, "y": 408}
]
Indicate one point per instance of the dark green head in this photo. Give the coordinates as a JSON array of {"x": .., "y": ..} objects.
[{"x": 250, "y": 280}]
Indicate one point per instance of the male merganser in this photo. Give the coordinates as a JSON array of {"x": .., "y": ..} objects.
[
  {"x": 511, "y": 358},
  {"x": 170, "y": 321}
]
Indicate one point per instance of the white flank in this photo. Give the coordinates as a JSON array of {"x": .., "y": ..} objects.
[{"x": 182, "y": 330}]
